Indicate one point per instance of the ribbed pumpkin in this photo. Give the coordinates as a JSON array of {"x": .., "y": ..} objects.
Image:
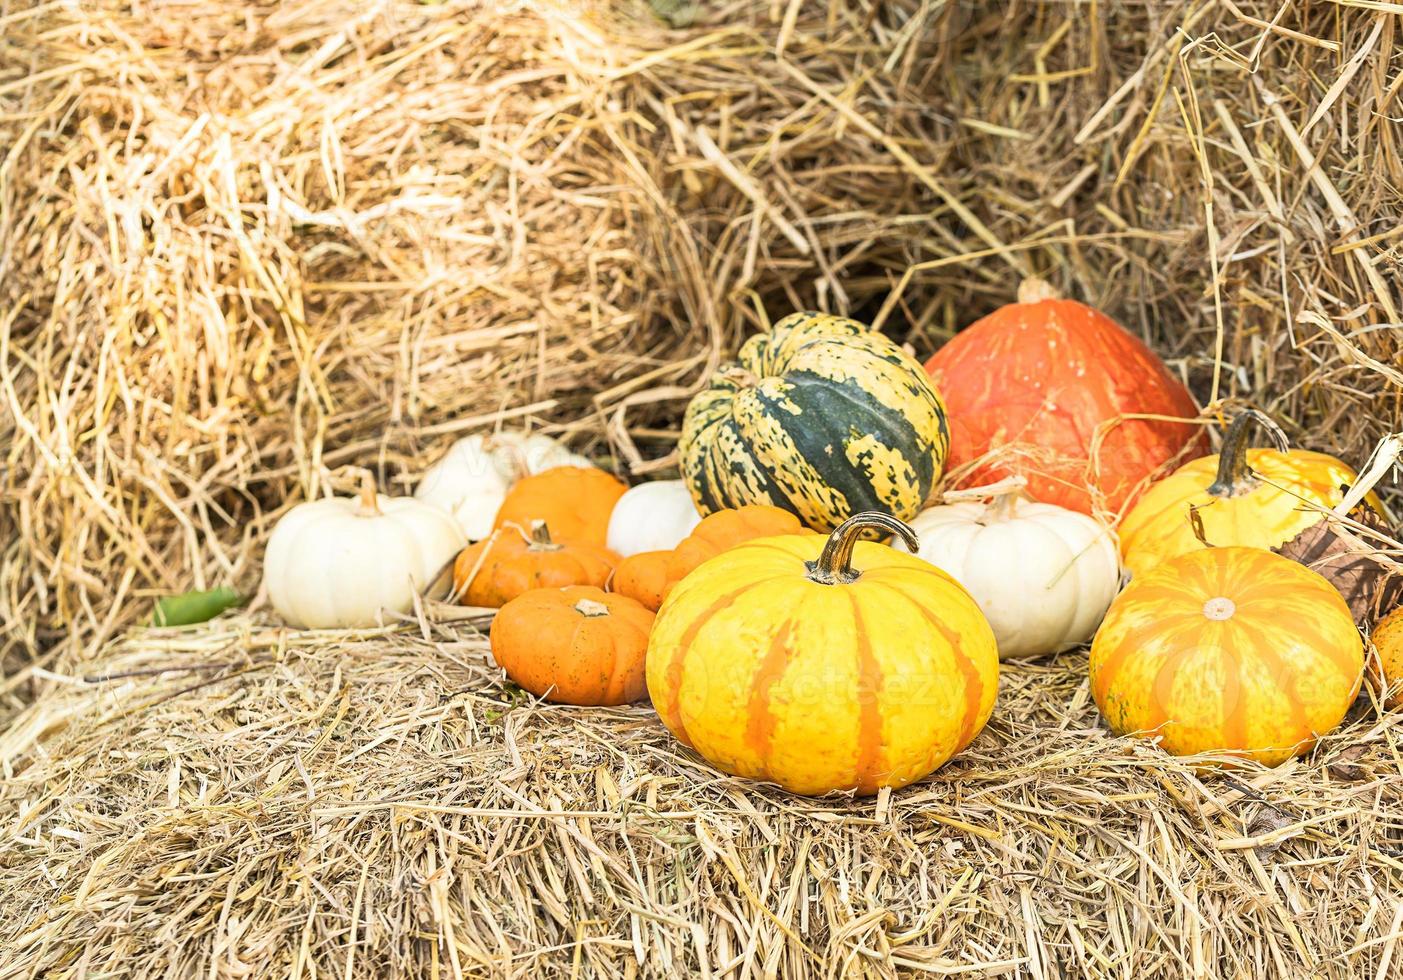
[
  {"x": 1254, "y": 497},
  {"x": 650, "y": 575},
  {"x": 1042, "y": 574},
  {"x": 820, "y": 416},
  {"x": 575, "y": 645},
  {"x": 1233, "y": 650},
  {"x": 1059, "y": 384},
  {"x": 823, "y": 664},
  {"x": 341, "y": 562},
  {"x": 1387, "y": 638},
  {"x": 501, "y": 567}
]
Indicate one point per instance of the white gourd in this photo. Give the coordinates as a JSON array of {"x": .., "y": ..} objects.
[
  {"x": 340, "y": 561},
  {"x": 473, "y": 477},
  {"x": 1042, "y": 575},
  {"x": 652, "y": 517}
]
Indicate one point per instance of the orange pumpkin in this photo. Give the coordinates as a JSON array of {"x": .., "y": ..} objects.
[
  {"x": 1233, "y": 650},
  {"x": 650, "y": 575},
  {"x": 576, "y": 645},
  {"x": 1254, "y": 497},
  {"x": 1063, "y": 386},
  {"x": 507, "y": 563},
  {"x": 1387, "y": 638},
  {"x": 575, "y": 501}
]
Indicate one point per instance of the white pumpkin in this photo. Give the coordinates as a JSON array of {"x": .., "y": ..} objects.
[
  {"x": 1042, "y": 575},
  {"x": 473, "y": 477},
  {"x": 342, "y": 560},
  {"x": 652, "y": 517}
]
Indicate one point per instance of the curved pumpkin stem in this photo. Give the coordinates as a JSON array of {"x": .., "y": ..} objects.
[
  {"x": 1035, "y": 290},
  {"x": 834, "y": 564},
  {"x": 1234, "y": 476}
]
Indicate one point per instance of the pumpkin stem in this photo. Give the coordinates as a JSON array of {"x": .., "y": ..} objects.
[
  {"x": 1234, "y": 476},
  {"x": 1001, "y": 508},
  {"x": 540, "y": 537},
  {"x": 1035, "y": 290},
  {"x": 591, "y": 608},
  {"x": 834, "y": 564},
  {"x": 739, "y": 375},
  {"x": 368, "y": 504}
]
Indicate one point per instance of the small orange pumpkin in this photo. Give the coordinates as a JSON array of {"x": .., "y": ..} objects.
[
  {"x": 576, "y": 645},
  {"x": 1387, "y": 638},
  {"x": 502, "y": 566},
  {"x": 575, "y": 501},
  {"x": 650, "y": 575}
]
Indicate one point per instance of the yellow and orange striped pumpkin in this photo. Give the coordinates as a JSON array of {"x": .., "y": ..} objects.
[
  {"x": 1233, "y": 650},
  {"x": 823, "y": 664},
  {"x": 1255, "y": 497}
]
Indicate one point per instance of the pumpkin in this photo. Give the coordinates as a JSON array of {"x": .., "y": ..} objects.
[
  {"x": 1042, "y": 575},
  {"x": 650, "y": 575},
  {"x": 473, "y": 477},
  {"x": 501, "y": 567},
  {"x": 344, "y": 561},
  {"x": 823, "y": 664},
  {"x": 575, "y": 501},
  {"x": 821, "y": 416},
  {"x": 575, "y": 645},
  {"x": 1232, "y": 650},
  {"x": 1387, "y": 638},
  {"x": 1060, "y": 388},
  {"x": 1259, "y": 498},
  {"x": 652, "y": 517}
]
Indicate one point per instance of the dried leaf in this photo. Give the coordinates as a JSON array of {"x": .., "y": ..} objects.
[
  {"x": 1196, "y": 522},
  {"x": 1346, "y": 765},
  {"x": 1266, "y": 820},
  {"x": 1370, "y": 581}
]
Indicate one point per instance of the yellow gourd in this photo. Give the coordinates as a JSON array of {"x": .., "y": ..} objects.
[{"x": 1259, "y": 498}]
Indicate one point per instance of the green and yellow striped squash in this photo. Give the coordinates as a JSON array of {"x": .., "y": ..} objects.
[{"x": 821, "y": 416}]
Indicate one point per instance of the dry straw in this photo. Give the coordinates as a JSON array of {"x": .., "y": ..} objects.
[{"x": 242, "y": 247}]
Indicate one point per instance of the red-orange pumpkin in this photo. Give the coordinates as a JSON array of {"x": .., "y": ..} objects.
[{"x": 1055, "y": 381}]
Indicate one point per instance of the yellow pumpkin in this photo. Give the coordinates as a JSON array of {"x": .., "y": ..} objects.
[
  {"x": 1259, "y": 498},
  {"x": 823, "y": 664},
  {"x": 1232, "y": 650},
  {"x": 1387, "y": 638}
]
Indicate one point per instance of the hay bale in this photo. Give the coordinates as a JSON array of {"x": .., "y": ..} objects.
[
  {"x": 244, "y": 246},
  {"x": 239, "y": 800}
]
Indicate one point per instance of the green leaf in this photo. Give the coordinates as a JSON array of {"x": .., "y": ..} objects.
[{"x": 195, "y": 607}]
